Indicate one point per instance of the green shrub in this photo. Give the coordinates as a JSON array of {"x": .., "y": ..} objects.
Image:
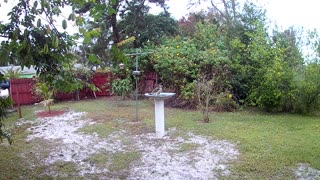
[
  {"x": 122, "y": 87},
  {"x": 46, "y": 92},
  {"x": 275, "y": 90},
  {"x": 4, "y": 104},
  {"x": 308, "y": 91}
]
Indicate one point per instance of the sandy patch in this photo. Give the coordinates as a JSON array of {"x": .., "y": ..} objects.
[
  {"x": 74, "y": 146},
  {"x": 191, "y": 157},
  {"x": 306, "y": 172},
  {"x": 162, "y": 158}
]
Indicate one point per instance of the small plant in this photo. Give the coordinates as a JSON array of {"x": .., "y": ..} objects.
[
  {"x": 46, "y": 92},
  {"x": 122, "y": 87},
  {"x": 11, "y": 73},
  {"x": 213, "y": 89},
  {"x": 205, "y": 95},
  {"x": 83, "y": 79}
]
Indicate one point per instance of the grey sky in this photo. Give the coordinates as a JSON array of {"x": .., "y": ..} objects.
[{"x": 284, "y": 13}]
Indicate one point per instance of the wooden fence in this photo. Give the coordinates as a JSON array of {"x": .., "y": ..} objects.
[{"x": 22, "y": 89}]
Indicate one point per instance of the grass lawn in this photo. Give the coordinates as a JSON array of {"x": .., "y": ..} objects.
[{"x": 271, "y": 145}]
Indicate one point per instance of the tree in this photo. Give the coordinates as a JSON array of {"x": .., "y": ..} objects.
[
  {"x": 248, "y": 48},
  {"x": 235, "y": 28},
  {"x": 307, "y": 95},
  {"x": 148, "y": 27},
  {"x": 288, "y": 40},
  {"x": 182, "y": 62},
  {"x": 33, "y": 36},
  {"x": 134, "y": 20},
  {"x": 187, "y": 25},
  {"x": 31, "y": 41}
]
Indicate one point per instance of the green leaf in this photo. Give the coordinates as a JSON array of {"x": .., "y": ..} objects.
[
  {"x": 55, "y": 41},
  {"x": 95, "y": 32},
  {"x": 56, "y": 10},
  {"x": 64, "y": 24},
  {"x": 45, "y": 49},
  {"x": 94, "y": 59},
  {"x": 87, "y": 37},
  {"x": 43, "y": 2},
  {"x": 80, "y": 20},
  {"x": 39, "y": 22},
  {"x": 16, "y": 33},
  {"x": 72, "y": 17}
]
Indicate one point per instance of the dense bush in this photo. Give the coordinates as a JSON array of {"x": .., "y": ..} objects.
[
  {"x": 250, "y": 67},
  {"x": 275, "y": 90},
  {"x": 183, "y": 62},
  {"x": 307, "y": 96}
]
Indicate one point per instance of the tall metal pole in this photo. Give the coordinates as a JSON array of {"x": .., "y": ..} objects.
[
  {"x": 136, "y": 74},
  {"x": 137, "y": 112}
]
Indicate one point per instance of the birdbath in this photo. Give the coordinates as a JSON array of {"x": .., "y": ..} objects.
[{"x": 159, "y": 110}]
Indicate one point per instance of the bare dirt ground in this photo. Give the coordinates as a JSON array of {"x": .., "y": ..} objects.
[
  {"x": 67, "y": 151},
  {"x": 171, "y": 157}
]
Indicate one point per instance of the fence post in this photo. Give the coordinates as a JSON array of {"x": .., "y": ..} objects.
[{"x": 19, "y": 106}]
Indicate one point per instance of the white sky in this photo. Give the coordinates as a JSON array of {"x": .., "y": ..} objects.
[{"x": 284, "y": 13}]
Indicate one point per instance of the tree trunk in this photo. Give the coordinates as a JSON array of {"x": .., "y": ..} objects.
[
  {"x": 78, "y": 95},
  {"x": 123, "y": 97},
  {"x": 206, "y": 115},
  {"x": 94, "y": 94},
  {"x": 49, "y": 108},
  {"x": 116, "y": 35}
]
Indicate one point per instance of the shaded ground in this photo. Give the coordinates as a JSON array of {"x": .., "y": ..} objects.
[{"x": 176, "y": 157}]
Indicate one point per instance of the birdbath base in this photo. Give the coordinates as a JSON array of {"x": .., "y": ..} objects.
[
  {"x": 159, "y": 111},
  {"x": 159, "y": 117}
]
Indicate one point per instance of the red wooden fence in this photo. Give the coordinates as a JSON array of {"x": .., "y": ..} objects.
[
  {"x": 22, "y": 90},
  {"x": 102, "y": 80}
]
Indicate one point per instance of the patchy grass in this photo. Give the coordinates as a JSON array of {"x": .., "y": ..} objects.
[
  {"x": 64, "y": 169},
  {"x": 270, "y": 145},
  {"x": 123, "y": 160},
  {"x": 100, "y": 159},
  {"x": 186, "y": 147},
  {"x": 118, "y": 164},
  {"x": 20, "y": 160},
  {"x": 102, "y": 129}
]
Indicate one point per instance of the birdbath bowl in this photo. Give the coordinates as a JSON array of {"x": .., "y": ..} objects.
[{"x": 159, "y": 110}]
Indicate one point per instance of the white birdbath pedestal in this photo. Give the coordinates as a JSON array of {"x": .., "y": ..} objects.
[{"x": 159, "y": 111}]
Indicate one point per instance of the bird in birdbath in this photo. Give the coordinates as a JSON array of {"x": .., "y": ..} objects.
[{"x": 157, "y": 90}]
